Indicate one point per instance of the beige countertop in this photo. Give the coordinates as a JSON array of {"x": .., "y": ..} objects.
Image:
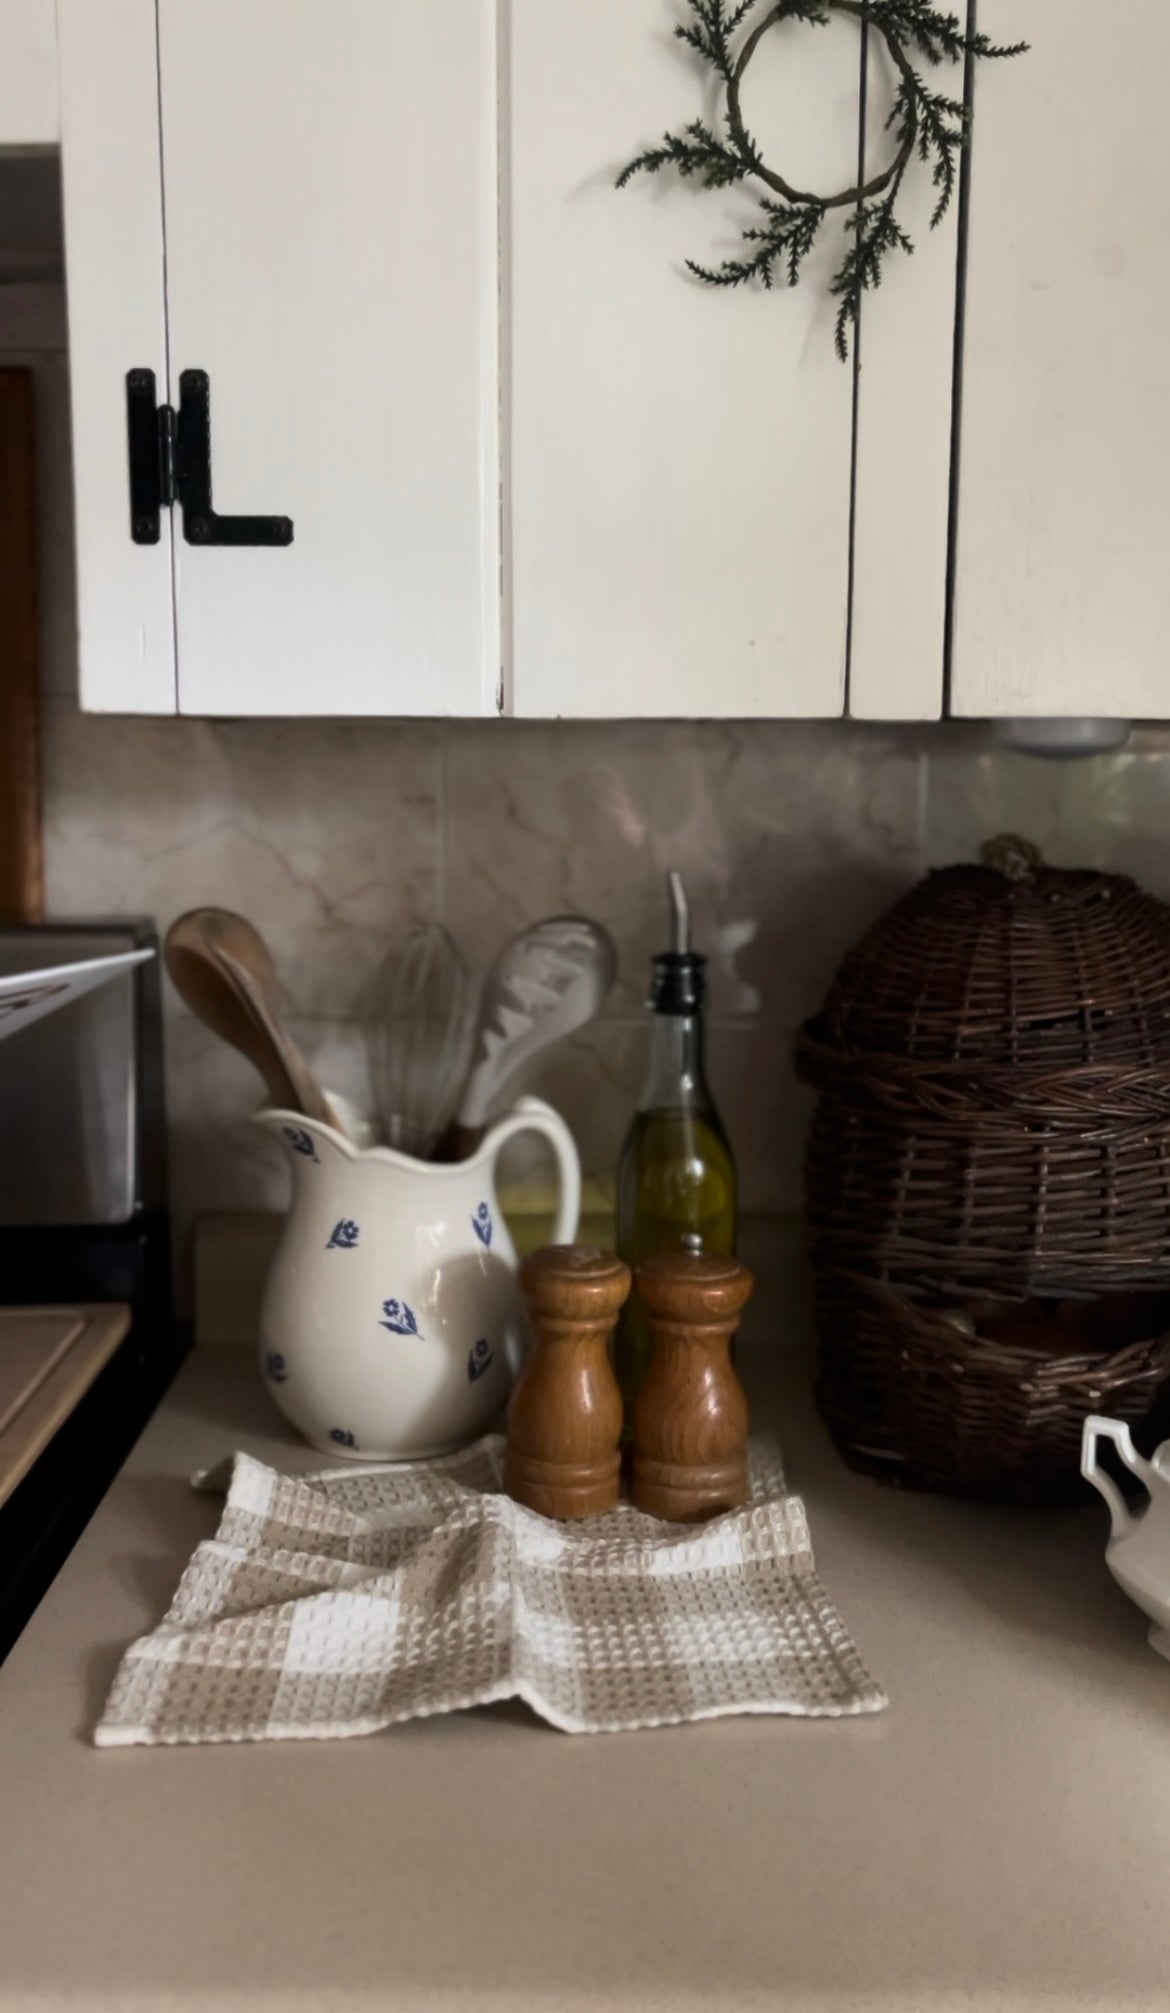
[{"x": 999, "y": 1839}]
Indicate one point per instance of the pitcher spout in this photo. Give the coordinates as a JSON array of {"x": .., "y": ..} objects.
[
  {"x": 352, "y": 1132},
  {"x": 305, "y": 1139}
]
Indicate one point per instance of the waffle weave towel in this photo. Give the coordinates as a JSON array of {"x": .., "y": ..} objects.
[{"x": 343, "y": 1602}]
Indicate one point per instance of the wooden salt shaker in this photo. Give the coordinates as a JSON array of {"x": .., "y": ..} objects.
[
  {"x": 565, "y": 1416},
  {"x": 691, "y": 1413}
]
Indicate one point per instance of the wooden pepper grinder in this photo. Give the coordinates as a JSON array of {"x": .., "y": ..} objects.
[
  {"x": 691, "y": 1413},
  {"x": 565, "y": 1416}
]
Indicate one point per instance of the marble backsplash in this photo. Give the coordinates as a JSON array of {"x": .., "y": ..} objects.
[
  {"x": 791, "y": 837},
  {"x": 331, "y": 834}
]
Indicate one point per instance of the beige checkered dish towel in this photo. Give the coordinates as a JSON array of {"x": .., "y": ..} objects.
[{"x": 343, "y": 1602}]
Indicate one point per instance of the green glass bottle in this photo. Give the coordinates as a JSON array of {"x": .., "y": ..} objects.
[{"x": 676, "y": 1175}]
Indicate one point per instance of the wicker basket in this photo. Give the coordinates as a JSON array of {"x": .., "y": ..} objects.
[
  {"x": 986, "y": 1404},
  {"x": 993, "y": 1134}
]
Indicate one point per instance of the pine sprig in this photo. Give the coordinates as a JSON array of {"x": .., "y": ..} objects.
[
  {"x": 875, "y": 233},
  {"x": 942, "y": 135},
  {"x": 924, "y": 122},
  {"x": 938, "y": 36},
  {"x": 787, "y": 237},
  {"x": 712, "y": 29},
  {"x": 694, "y": 151}
]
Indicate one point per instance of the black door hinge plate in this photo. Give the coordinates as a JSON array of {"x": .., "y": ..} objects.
[
  {"x": 170, "y": 462},
  {"x": 145, "y": 429}
]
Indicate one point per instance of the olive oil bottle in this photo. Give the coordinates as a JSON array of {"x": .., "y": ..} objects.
[{"x": 676, "y": 1175}]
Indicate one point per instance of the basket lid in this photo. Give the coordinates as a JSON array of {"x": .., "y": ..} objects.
[{"x": 1010, "y": 961}]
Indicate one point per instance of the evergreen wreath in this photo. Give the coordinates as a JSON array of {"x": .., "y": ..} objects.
[{"x": 922, "y": 121}]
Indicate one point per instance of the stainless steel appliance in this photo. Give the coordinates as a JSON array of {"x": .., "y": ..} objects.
[{"x": 88, "y": 1340}]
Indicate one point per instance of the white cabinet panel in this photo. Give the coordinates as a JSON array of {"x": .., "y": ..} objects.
[
  {"x": 1062, "y": 600},
  {"x": 331, "y": 264},
  {"x": 904, "y": 409},
  {"x": 114, "y": 259},
  {"x": 29, "y": 112},
  {"x": 680, "y": 456}
]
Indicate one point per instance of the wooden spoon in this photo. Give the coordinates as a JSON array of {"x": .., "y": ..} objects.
[{"x": 221, "y": 966}]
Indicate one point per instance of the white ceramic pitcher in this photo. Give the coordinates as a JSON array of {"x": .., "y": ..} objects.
[
  {"x": 1138, "y": 1552},
  {"x": 392, "y": 1327}
]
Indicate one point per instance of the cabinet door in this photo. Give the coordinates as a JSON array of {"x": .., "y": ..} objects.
[
  {"x": 117, "y": 320},
  {"x": 1062, "y": 590},
  {"x": 680, "y": 456},
  {"x": 329, "y": 181},
  {"x": 683, "y": 536},
  {"x": 903, "y": 444}
]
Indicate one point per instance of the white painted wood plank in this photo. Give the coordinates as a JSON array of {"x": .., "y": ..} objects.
[
  {"x": 1063, "y": 588},
  {"x": 331, "y": 244},
  {"x": 904, "y": 444},
  {"x": 680, "y": 457},
  {"x": 114, "y": 263},
  {"x": 29, "y": 110}
]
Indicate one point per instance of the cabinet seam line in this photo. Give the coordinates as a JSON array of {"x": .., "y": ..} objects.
[
  {"x": 162, "y": 196},
  {"x": 855, "y": 389},
  {"x": 964, "y": 224}
]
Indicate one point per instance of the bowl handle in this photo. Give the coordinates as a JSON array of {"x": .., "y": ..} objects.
[
  {"x": 1095, "y": 1428},
  {"x": 533, "y": 1115}
]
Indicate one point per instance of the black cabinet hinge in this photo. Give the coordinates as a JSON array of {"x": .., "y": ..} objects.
[
  {"x": 152, "y": 469},
  {"x": 170, "y": 462}
]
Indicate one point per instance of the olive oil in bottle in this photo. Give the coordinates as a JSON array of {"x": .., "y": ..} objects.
[{"x": 676, "y": 1175}]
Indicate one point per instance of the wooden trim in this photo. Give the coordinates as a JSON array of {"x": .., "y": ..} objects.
[
  {"x": 21, "y": 857},
  {"x": 90, "y": 1337}
]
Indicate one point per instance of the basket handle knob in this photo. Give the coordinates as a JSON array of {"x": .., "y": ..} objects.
[{"x": 1015, "y": 858}]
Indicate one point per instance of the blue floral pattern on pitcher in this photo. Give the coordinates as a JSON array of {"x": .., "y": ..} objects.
[
  {"x": 481, "y": 1223},
  {"x": 341, "y": 1438},
  {"x": 300, "y": 1141},
  {"x": 399, "y": 1318},
  {"x": 344, "y": 1236},
  {"x": 275, "y": 1367},
  {"x": 479, "y": 1360}
]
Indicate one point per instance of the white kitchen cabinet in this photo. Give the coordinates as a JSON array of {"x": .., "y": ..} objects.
[
  {"x": 1062, "y": 588},
  {"x": 302, "y": 202},
  {"x": 531, "y": 464},
  {"x": 681, "y": 457},
  {"x": 298, "y": 201}
]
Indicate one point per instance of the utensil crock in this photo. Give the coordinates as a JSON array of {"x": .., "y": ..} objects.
[{"x": 392, "y": 1326}]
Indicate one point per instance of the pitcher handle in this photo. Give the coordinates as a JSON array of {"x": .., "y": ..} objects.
[
  {"x": 532, "y": 1114},
  {"x": 1095, "y": 1428}
]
